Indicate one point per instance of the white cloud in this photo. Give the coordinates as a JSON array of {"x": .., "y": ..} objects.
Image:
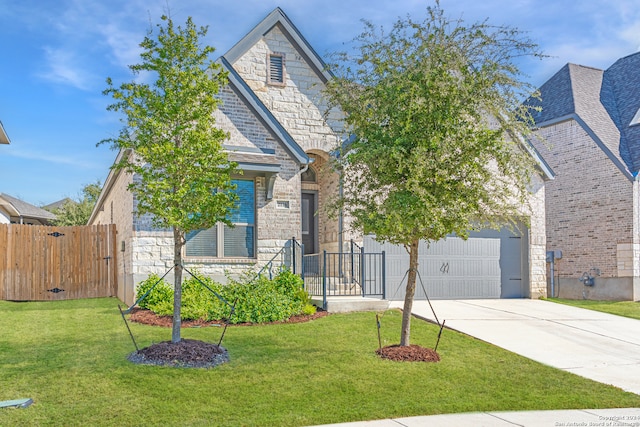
[
  {"x": 43, "y": 156},
  {"x": 123, "y": 44},
  {"x": 61, "y": 68}
]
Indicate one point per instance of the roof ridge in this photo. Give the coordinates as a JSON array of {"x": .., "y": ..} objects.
[{"x": 277, "y": 16}]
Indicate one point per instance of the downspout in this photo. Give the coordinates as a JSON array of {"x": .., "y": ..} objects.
[{"x": 306, "y": 166}]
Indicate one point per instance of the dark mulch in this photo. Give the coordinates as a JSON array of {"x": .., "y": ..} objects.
[
  {"x": 409, "y": 353},
  {"x": 189, "y": 353},
  {"x": 184, "y": 354},
  {"x": 148, "y": 317},
  {"x": 193, "y": 353}
]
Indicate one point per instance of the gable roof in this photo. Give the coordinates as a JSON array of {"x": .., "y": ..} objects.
[
  {"x": 603, "y": 102},
  {"x": 20, "y": 208},
  {"x": 621, "y": 98},
  {"x": 240, "y": 87},
  {"x": 57, "y": 205},
  {"x": 279, "y": 18},
  {"x": 4, "y": 138}
]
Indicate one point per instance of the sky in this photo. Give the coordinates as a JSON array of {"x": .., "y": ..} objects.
[{"x": 57, "y": 54}]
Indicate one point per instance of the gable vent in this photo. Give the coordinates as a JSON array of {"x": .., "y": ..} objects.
[
  {"x": 636, "y": 119},
  {"x": 276, "y": 68}
]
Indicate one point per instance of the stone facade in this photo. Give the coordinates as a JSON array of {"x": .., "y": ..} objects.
[
  {"x": 297, "y": 106},
  {"x": 537, "y": 245}
]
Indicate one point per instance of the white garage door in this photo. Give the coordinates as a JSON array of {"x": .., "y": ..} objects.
[{"x": 490, "y": 264}]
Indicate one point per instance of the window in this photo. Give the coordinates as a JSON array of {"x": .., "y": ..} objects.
[
  {"x": 309, "y": 175},
  {"x": 276, "y": 69},
  {"x": 222, "y": 241}
]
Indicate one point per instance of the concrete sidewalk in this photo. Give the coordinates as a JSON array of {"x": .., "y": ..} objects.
[
  {"x": 598, "y": 346},
  {"x": 585, "y": 417}
]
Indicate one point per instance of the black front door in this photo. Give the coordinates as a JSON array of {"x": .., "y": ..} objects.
[{"x": 309, "y": 223}]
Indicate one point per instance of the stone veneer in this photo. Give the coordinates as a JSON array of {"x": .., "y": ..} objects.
[{"x": 299, "y": 107}]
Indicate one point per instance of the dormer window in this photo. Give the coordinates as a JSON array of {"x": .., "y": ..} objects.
[
  {"x": 276, "y": 69},
  {"x": 636, "y": 119}
]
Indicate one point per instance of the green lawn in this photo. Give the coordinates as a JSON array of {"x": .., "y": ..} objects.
[
  {"x": 621, "y": 308},
  {"x": 70, "y": 357}
]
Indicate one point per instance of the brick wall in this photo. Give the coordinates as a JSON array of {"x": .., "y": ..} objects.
[
  {"x": 117, "y": 208},
  {"x": 589, "y": 204}
]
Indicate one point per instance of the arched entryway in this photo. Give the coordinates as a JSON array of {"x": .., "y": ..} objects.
[{"x": 319, "y": 183}]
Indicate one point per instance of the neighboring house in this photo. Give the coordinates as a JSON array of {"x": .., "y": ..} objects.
[
  {"x": 51, "y": 207},
  {"x": 281, "y": 139},
  {"x": 16, "y": 211},
  {"x": 590, "y": 120},
  {"x": 4, "y": 138}
]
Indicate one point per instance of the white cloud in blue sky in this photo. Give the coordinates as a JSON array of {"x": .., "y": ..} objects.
[{"x": 59, "y": 54}]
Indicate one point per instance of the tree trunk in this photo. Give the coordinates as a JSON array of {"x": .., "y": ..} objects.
[
  {"x": 178, "y": 239},
  {"x": 411, "y": 291}
]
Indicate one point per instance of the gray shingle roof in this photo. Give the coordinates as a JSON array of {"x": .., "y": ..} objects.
[
  {"x": 26, "y": 209},
  {"x": 557, "y": 97},
  {"x": 603, "y": 102},
  {"x": 622, "y": 100}
]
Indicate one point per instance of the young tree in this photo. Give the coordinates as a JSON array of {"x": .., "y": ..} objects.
[
  {"x": 77, "y": 212},
  {"x": 436, "y": 116},
  {"x": 182, "y": 174}
]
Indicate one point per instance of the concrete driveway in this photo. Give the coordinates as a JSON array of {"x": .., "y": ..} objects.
[{"x": 599, "y": 346}]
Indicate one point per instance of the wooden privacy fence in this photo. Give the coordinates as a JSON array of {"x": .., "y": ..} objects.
[{"x": 51, "y": 263}]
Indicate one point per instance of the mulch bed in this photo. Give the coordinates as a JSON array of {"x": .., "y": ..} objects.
[
  {"x": 184, "y": 354},
  {"x": 148, "y": 317},
  {"x": 199, "y": 354},
  {"x": 409, "y": 353},
  {"x": 189, "y": 353}
]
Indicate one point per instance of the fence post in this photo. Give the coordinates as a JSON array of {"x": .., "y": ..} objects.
[
  {"x": 302, "y": 269},
  {"x": 353, "y": 278},
  {"x": 324, "y": 280},
  {"x": 384, "y": 276},
  {"x": 293, "y": 253},
  {"x": 362, "y": 272}
]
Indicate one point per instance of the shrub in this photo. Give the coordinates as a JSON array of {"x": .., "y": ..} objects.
[
  {"x": 162, "y": 292},
  {"x": 257, "y": 299},
  {"x": 309, "y": 309},
  {"x": 197, "y": 300}
]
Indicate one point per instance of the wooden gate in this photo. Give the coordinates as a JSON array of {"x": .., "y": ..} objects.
[{"x": 39, "y": 263}]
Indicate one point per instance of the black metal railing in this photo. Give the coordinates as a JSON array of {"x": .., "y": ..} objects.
[
  {"x": 353, "y": 273},
  {"x": 290, "y": 256}
]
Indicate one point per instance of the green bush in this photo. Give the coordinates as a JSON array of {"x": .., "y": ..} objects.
[
  {"x": 257, "y": 299},
  {"x": 162, "y": 293},
  {"x": 197, "y": 300}
]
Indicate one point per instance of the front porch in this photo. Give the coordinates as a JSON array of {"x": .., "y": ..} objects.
[
  {"x": 346, "y": 281},
  {"x": 337, "y": 282},
  {"x": 346, "y": 304}
]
